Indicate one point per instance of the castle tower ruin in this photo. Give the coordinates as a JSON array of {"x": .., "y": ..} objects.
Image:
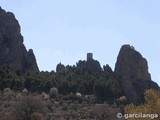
[{"x": 89, "y": 56}]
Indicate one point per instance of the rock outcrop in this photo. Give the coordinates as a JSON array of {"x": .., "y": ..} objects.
[
  {"x": 60, "y": 68},
  {"x": 132, "y": 72},
  {"x": 131, "y": 64},
  {"x": 107, "y": 69},
  {"x": 90, "y": 66},
  {"x": 12, "y": 50}
]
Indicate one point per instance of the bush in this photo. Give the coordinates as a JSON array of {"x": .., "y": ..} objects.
[
  {"x": 53, "y": 92},
  {"x": 8, "y": 93},
  {"x": 28, "y": 106},
  {"x": 151, "y": 105},
  {"x": 104, "y": 112},
  {"x": 36, "y": 116}
]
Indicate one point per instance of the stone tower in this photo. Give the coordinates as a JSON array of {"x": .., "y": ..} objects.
[{"x": 89, "y": 56}]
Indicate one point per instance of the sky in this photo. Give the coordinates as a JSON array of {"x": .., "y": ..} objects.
[{"x": 65, "y": 30}]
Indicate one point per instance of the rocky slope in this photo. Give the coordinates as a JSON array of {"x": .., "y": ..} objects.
[{"x": 12, "y": 50}]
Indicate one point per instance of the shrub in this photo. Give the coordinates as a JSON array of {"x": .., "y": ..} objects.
[
  {"x": 8, "y": 93},
  {"x": 53, "y": 92},
  {"x": 151, "y": 105},
  {"x": 103, "y": 112},
  {"x": 45, "y": 96},
  {"x": 26, "y": 106},
  {"x": 36, "y": 116},
  {"x": 7, "y": 117}
]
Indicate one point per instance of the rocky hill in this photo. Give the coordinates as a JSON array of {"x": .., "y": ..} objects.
[
  {"x": 12, "y": 50},
  {"x": 82, "y": 91},
  {"x": 130, "y": 77}
]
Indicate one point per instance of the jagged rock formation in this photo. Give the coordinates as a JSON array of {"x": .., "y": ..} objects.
[
  {"x": 60, "y": 68},
  {"x": 107, "y": 69},
  {"x": 90, "y": 66},
  {"x": 132, "y": 71},
  {"x": 131, "y": 64},
  {"x": 12, "y": 50}
]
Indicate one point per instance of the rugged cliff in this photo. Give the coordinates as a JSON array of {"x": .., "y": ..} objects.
[
  {"x": 12, "y": 50},
  {"x": 132, "y": 72}
]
